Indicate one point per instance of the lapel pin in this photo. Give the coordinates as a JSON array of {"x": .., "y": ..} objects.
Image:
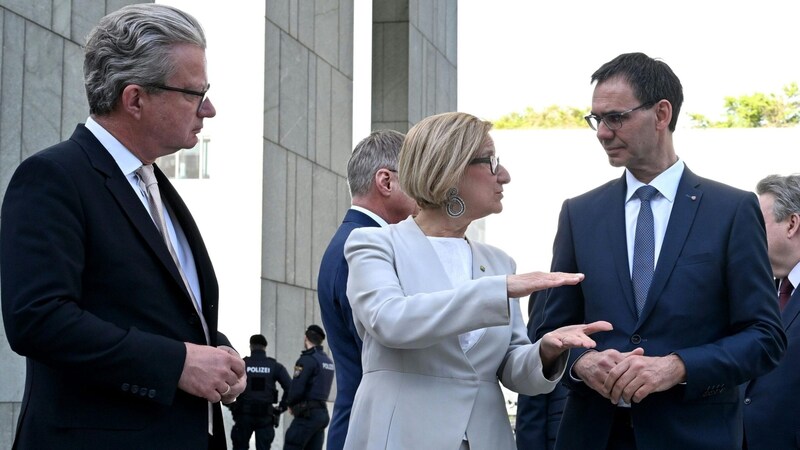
[
  {"x": 483, "y": 269},
  {"x": 692, "y": 197}
]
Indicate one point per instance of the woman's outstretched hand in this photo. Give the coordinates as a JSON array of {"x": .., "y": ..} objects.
[
  {"x": 524, "y": 284},
  {"x": 556, "y": 342}
]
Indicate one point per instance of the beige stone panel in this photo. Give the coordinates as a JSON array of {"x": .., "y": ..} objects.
[
  {"x": 323, "y": 114},
  {"x": 273, "y": 263},
  {"x": 272, "y": 81},
  {"x": 303, "y": 224},
  {"x": 41, "y": 90},
  {"x": 326, "y": 30},
  {"x": 293, "y": 116}
]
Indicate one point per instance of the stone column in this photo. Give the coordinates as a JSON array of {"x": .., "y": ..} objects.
[
  {"x": 307, "y": 141},
  {"x": 414, "y": 61}
]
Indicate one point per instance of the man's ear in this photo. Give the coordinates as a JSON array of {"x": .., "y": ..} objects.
[
  {"x": 663, "y": 114},
  {"x": 383, "y": 182},
  {"x": 794, "y": 226},
  {"x": 131, "y": 100}
]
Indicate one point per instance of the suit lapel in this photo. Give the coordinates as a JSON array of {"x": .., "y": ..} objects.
[
  {"x": 432, "y": 277},
  {"x": 791, "y": 311},
  {"x": 205, "y": 271},
  {"x": 684, "y": 209},
  {"x": 128, "y": 201}
]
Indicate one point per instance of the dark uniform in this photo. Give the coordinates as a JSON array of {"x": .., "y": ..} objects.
[
  {"x": 311, "y": 386},
  {"x": 253, "y": 409}
]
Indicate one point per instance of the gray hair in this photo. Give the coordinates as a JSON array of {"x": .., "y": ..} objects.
[
  {"x": 786, "y": 191},
  {"x": 133, "y": 46},
  {"x": 377, "y": 151}
]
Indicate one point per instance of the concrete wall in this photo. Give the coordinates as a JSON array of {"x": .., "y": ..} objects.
[
  {"x": 308, "y": 88},
  {"x": 414, "y": 61}
]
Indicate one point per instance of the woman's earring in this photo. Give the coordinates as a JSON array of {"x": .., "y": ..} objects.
[{"x": 455, "y": 206}]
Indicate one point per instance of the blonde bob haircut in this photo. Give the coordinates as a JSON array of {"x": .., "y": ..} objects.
[{"x": 436, "y": 153}]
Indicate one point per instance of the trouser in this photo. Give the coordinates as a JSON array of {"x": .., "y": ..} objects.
[
  {"x": 243, "y": 427},
  {"x": 307, "y": 433},
  {"x": 622, "y": 437}
]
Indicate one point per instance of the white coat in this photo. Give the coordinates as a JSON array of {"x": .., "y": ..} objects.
[{"x": 420, "y": 390}]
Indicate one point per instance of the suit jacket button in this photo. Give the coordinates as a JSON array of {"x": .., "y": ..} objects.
[
  {"x": 636, "y": 339},
  {"x": 134, "y": 389},
  {"x": 747, "y": 401},
  {"x": 151, "y": 393},
  {"x": 125, "y": 387}
]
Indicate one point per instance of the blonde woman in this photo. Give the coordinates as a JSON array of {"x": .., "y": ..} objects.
[{"x": 438, "y": 313}]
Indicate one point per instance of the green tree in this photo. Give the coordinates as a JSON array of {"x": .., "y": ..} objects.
[
  {"x": 757, "y": 110},
  {"x": 552, "y": 117}
]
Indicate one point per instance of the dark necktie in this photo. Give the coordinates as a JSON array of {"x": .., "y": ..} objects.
[
  {"x": 784, "y": 292},
  {"x": 644, "y": 248}
]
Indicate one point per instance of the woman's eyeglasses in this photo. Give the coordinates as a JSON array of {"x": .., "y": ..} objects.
[{"x": 493, "y": 162}]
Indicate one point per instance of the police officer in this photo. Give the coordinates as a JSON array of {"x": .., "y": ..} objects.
[
  {"x": 254, "y": 410},
  {"x": 311, "y": 386}
]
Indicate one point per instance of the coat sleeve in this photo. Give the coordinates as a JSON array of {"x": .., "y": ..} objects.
[
  {"x": 340, "y": 297},
  {"x": 286, "y": 383},
  {"x": 383, "y": 309},
  {"x": 304, "y": 370},
  {"x": 522, "y": 370}
]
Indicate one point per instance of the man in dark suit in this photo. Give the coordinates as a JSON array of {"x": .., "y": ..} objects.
[
  {"x": 538, "y": 416},
  {"x": 770, "y": 401},
  {"x": 119, "y": 323},
  {"x": 377, "y": 201},
  {"x": 678, "y": 264}
]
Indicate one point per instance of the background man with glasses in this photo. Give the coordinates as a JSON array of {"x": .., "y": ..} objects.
[
  {"x": 107, "y": 287},
  {"x": 679, "y": 268}
]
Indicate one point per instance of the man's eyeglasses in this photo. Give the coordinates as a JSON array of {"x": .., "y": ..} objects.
[
  {"x": 201, "y": 94},
  {"x": 613, "y": 121},
  {"x": 493, "y": 162}
]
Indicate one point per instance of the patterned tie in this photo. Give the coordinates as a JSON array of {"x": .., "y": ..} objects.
[
  {"x": 784, "y": 292},
  {"x": 644, "y": 248}
]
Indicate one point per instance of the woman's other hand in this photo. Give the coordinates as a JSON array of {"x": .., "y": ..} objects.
[
  {"x": 521, "y": 285},
  {"x": 556, "y": 342}
]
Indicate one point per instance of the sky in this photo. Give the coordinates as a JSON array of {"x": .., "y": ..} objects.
[{"x": 520, "y": 53}]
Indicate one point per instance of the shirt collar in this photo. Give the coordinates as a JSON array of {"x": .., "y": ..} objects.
[
  {"x": 794, "y": 276},
  {"x": 666, "y": 182},
  {"x": 126, "y": 160},
  {"x": 371, "y": 214}
]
